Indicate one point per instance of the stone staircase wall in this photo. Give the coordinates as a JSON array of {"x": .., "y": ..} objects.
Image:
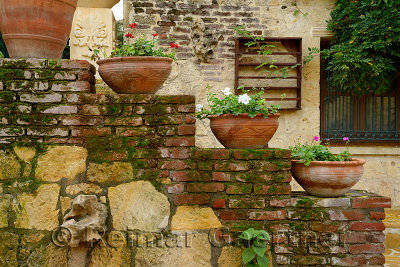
[{"x": 137, "y": 154}]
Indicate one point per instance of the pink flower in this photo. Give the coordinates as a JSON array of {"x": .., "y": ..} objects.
[
  {"x": 316, "y": 138},
  {"x": 346, "y": 139},
  {"x": 133, "y": 25}
]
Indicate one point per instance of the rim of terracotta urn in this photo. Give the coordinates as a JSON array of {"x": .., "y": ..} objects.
[
  {"x": 97, "y": 3},
  {"x": 353, "y": 162},
  {"x": 242, "y": 115},
  {"x": 136, "y": 58}
]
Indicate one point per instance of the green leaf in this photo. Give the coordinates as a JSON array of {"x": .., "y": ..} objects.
[
  {"x": 248, "y": 255},
  {"x": 260, "y": 251},
  {"x": 263, "y": 261}
]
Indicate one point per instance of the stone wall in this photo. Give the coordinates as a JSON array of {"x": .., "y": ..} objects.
[
  {"x": 204, "y": 30},
  {"x": 164, "y": 196}
]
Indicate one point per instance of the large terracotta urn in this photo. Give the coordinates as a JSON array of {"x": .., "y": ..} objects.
[
  {"x": 135, "y": 75},
  {"x": 328, "y": 178},
  {"x": 242, "y": 131},
  {"x": 97, "y": 3},
  {"x": 36, "y": 28}
]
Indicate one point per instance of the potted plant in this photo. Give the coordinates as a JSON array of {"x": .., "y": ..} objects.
[
  {"x": 36, "y": 28},
  {"x": 322, "y": 173},
  {"x": 240, "y": 121},
  {"x": 139, "y": 67}
]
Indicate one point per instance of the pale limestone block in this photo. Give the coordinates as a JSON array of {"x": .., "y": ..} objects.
[
  {"x": 66, "y": 203},
  {"x": 83, "y": 188},
  {"x": 25, "y": 153},
  {"x": 39, "y": 210},
  {"x": 194, "y": 218},
  {"x": 230, "y": 257},
  {"x": 110, "y": 172},
  {"x": 104, "y": 256},
  {"x": 193, "y": 250},
  {"x": 5, "y": 202},
  {"x": 9, "y": 166},
  {"x": 138, "y": 205},
  {"x": 61, "y": 162}
]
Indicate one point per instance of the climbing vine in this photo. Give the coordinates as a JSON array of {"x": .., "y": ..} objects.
[{"x": 365, "y": 56}]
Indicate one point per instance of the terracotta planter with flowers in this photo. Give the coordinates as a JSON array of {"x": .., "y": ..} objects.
[
  {"x": 322, "y": 173},
  {"x": 241, "y": 131},
  {"x": 36, "y": 28},
  {"x": 137, "y": 67},
  {"x": 328, "y": 178},
  {"x": 240, "y": 121}
]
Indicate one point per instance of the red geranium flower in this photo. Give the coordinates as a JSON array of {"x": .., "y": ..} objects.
[
  {"x": 174, "y": 46},
  {"x": 129, "y": 35},
  {"x": 156, "y": 34},
  {"x": 133, "y": 25}
]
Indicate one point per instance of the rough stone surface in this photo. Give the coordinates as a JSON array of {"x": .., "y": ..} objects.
[
  {"x": 5, "y": 202},
  {"x": 25, "y": 153},
  {"x": 61, "y": 162},
  {"x": 230, "y": 257},
  {"x": 138, "y": 205},
  {"x": 83, "y": 188},
  {"x": 196, "y": 253},
  {"x": 194, "y": 218},
  {"x": 102, "y": 256},
  {"x": 9, "y": 166},
  {"x": 8, "y": 249},
  {"x": 110, "y": 172},
  {"x": 50, "y": 256},
  {"x": 38, "y": 211},
  {"x": 65, "y": 203}
]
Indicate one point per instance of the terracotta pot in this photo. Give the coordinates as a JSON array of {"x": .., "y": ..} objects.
[
  {"x": 242, "y": 131},
  {"x": 36, "y": 28},
  {"x": 135, "y": 75},
  {"x": 328, "y": 178},
  {"x": 97, "y": 3}
]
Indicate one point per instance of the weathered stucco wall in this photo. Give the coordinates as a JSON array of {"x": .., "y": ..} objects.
[{"x": 272, "y": 18}]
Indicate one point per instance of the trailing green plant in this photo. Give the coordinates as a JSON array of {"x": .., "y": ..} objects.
[
  {"x": 139, "y": 46},
  {"x": 1, "y": 55},
  {"x": 264, "y": 49},
  {"x": 365, "y": 55},
  {"x": 316, "y": 151},
  {"x": 254, "y": 255},
  {"x": 236, "y": 104}
]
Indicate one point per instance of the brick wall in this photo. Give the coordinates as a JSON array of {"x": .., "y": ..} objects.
[{"x": 51, "y": 102}]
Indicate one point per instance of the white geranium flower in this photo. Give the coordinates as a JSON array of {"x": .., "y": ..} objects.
[
  {"x": 244, "y": 99},
  {"x": 227, "y": 91},
  {"x": 199, "y": 107}
]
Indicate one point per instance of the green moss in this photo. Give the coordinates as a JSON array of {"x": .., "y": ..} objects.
[
  {"x": 11, "y": 74},
  {"x": 7, "y": 97},
  {"x": 16, "y": 64}
]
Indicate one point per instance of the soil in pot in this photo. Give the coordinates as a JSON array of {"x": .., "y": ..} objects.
[
  {"x": 135, "y": 75},
  {"x": 328, "y": 178},
  {"x": 243, "y": 131}
]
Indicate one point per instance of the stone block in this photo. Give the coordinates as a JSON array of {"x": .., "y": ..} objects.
[
  {"x": 138, "y": 205},
  {"x": 38, "y": 211},
  {"x": 110, "y": 172},
  {"x": 194, "y": 218},
  {"x": 61, "y": 162}
]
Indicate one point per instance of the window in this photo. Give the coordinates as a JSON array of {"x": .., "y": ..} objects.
[{"x": 362, "y": 118}]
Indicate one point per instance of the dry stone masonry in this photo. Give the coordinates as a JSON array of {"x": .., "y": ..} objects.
[{"x": 132, "y": 161}]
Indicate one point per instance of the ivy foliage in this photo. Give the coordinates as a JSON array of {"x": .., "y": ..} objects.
[{"x": 365, "y": 56}]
